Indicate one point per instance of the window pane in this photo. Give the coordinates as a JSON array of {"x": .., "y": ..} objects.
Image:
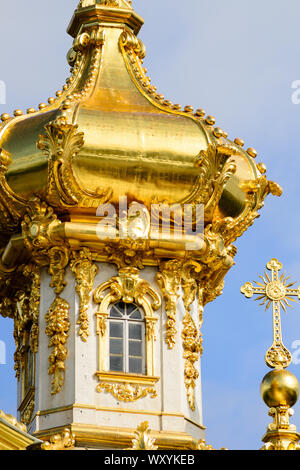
[
  {"x": 130, "y": 308},
  {"x": 116, "y": 346},
  {"x": 136, "y": 315},
  {"x": 115, "y": 313},
  {"x": 115, "y": 329},
  {"x": 121, "y": 307},
  {"x": 135, "y": 365},
  {"x": 135, "y": 348},
  {"x": 116, "y": 363},
  {"x": 135, "y": 331}
]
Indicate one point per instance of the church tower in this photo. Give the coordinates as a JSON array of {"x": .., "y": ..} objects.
[{"x": 118, "y": 214}]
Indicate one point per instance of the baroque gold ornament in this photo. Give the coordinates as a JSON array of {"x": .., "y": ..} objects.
[
  {"x": 127, "y": 392},
  {"x": 63, "y": 441},
  {"x": 142, "y": 439},
  {"x": 58, "y": 325},
  {"x": 85, "y": 271},
  {"x": 169, "y": 280},
  {"x": 192, "y": 341}
]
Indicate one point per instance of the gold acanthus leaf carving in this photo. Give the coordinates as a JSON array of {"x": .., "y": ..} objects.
[
  {"x": 61, "y": 143},
  {"x": 58, "y": 261},
  {"x": 63, "y": 441},
  {"x": 12, "y": 206},
  {"x": 37, "y": 226},
  {"x": 201, "y": 445},
  {"x": 85, "y": 271},
  {"x": 142, "y": 439},
  {"x": 58, "y": 325},
  {"x": 127, "y": 392},
  {"x": 169, "y": 279},
  {"x": 216, "y": 167}
]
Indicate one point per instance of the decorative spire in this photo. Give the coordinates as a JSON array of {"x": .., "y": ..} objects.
[
  {"x": 91, "y": 12},
  {"x": 106, "y": 3},
  {"x": 279, "y": 388}
]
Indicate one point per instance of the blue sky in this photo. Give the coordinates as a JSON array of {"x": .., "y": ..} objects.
[{"x": 237, "y": 60}]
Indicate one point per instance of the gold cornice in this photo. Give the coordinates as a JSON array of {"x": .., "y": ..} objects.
[
  {"x": 97, "y": 14},
  {"x": 113, "y": 437}
]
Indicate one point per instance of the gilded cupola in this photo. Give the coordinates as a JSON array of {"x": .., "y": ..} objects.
[{"x": 108, "y": 133}]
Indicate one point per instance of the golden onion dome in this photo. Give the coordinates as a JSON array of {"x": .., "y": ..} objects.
[{"x": 108, "y": 133}]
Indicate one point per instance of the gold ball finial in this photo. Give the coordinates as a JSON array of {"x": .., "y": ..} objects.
[{"x": 279, "y": 388}]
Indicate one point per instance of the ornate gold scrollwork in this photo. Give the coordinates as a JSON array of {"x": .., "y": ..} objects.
[
  {"x": 169, "y": 279},
  {"x": 12, "y": 206},
  {"x": 63, "y": 441},
  {"x": 129, "y": 288},
  {"x": 58, "y": 325},
  {"x": 192, "y": 341},
  {"x": 127, "y": 392},
  {"x": 37, "y": 229},
  {"x": 85, "y": 271},
  {"x": 60, "y": 143}
]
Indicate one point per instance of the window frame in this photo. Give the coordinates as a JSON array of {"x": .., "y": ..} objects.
[{"x": 126, "y": 321}]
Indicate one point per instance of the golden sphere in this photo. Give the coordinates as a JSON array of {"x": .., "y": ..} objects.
[
  {"x": 5, "y": 117},
  {"x": 252, "y": 152},
  {"x": 262, "y": 168},
  {"x": 279, "y": 387},
  {"x": 210, "y": 120},
  {"x": 218, "y": 132},
  {"x": 239, "y": 142},
  {"x": 200, "y": 112},
  {"x": 18, "y": 112}
]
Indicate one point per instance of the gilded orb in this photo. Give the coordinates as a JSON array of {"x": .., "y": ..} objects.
[{"x": 279, "y": 387}]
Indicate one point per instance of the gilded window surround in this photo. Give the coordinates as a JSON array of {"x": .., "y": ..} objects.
[{"x": 127, "y": 287}]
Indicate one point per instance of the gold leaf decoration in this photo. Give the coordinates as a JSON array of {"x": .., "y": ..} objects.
[
  {"x": 142, "y": 439},
  {"x": 169, "y": 279},
  {"x": 127, "y": 392},
  {"x": 63, "y": 441},
  {"x": 85, "y": 271},
  {"x": 58, "y": 325}
]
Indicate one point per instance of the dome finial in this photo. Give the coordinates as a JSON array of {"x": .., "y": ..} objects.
[{"x": 107, "y": 3}]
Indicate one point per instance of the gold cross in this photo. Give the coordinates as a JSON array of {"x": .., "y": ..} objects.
[{"x": 274, "y": 291}]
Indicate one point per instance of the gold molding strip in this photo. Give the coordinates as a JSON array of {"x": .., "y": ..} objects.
[
  {"x": 117, "y": 410},
  {"x": 111, "y": 437},
  {"x": 126, "y": 378}
]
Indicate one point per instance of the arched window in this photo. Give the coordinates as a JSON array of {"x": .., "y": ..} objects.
[
  {"x": 28, "y": 363},
  {"x": 126, "y": 339}
]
